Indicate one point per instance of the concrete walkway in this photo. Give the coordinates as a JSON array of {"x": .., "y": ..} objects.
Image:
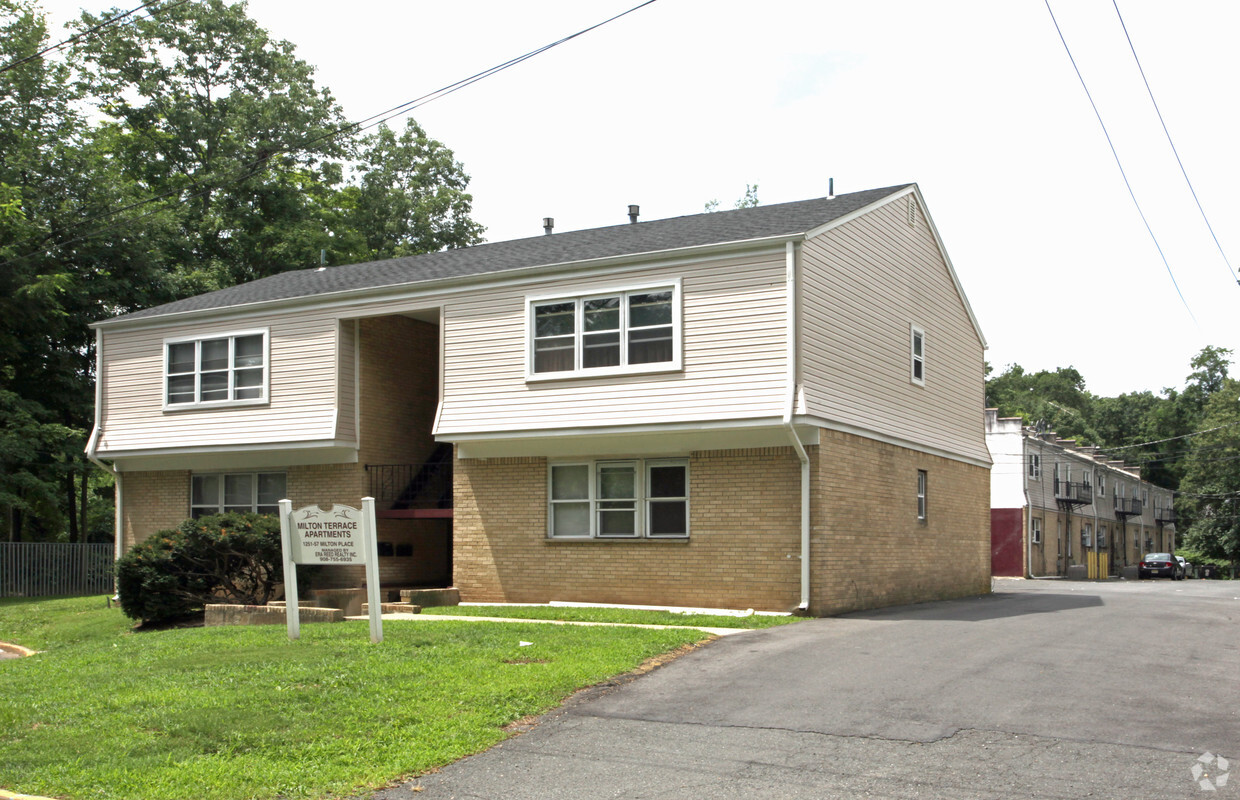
[{"x": 465, "y": 618}]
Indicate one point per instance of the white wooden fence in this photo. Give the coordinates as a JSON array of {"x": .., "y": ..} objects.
[{"x": 47, "y": 569}]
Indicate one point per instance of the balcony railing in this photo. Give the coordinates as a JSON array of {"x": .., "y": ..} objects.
[
  {"x": 1076, "y": 494},
  {"x": 414, "y": 490},
  {"x": 1164, "y": 516},
  {"x": 1128, "y": 507}
]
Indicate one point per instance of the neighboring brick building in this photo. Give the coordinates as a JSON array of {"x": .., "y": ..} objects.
[
  {"x": 1055, "y": 505},
  {"x": 763, "y": 408}
]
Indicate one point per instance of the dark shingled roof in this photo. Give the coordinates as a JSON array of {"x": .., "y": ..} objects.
[{"x": 697, "y": 230}]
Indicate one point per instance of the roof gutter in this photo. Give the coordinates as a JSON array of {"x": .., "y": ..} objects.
[
  {"x": 92, "y": 447},
  {"x": 790, "y": 267}
]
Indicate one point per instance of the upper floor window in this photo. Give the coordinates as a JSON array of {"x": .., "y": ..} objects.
[
  {"x": 1102, "y": 484},
  {"x": 918, "y": 347},
  {"x": 1035, "y": 466},
  {"x": 216, "y": 493},
  {"x": 229, "y": 369},
  {"x": 619, "y": 499},
  {"x": 608, "y": 332}
]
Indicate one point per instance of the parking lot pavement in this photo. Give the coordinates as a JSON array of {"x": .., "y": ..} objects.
[{"x": 1042, "y": 689}]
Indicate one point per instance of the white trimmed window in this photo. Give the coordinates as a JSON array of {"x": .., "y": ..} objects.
[
  {"x": 219, "y": 370},
  {"x": 218, "y": 492},
  {"x": 1102, "y": 485},
  {"x": 1035, "y": 466},
  {"x": 917, "y": 346},
  {"x": 1035, "y": 530},
  {"x": 921, "y": 495},
  {"x": 631, "y": 330},
  {"x": 1102, "y": 536},
  {"x": 1087, "y": 532},
  {"x": 622, "y": 499}
]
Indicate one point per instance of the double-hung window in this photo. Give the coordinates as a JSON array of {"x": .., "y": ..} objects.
[
  {"x": 1035, "y": 466},
  {"x": 917, "y": 345},
  {"x": 1035, "y": 530},
  {"x": 608, "y": 332},
  {"x": 622, "y": 499},
  {"x": 218, "y": 370},
  {"x": 216, "y": 493},
  {"x": 921, "y": 495}
]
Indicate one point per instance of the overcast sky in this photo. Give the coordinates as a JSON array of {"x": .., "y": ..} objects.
[{"x": 684, "y": 101}]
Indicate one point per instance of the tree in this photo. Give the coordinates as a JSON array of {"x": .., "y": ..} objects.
[
  {"x": 409, "y": 198},
  {"x": 1209, "y": 505},
  {"x": 748, "y": 200},
  {"x": 1057, "y": 398},
  {"x": 52, "y": 178},
  {"x": 166, "y": 156},
  {"x": 208, "y": 110}
]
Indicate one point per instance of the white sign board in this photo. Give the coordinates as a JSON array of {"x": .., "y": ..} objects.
[
  {"x": 327, "y": 537},
  {"x": 336, "y": 536}
]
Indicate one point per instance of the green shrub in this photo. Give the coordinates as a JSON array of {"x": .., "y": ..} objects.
[{"x": 233, "y": 558}]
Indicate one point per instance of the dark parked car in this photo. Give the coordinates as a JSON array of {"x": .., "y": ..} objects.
[{"x": 1160, "y": 565}]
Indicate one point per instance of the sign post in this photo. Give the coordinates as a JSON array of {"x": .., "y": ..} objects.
[{"x": 337, "y": 536}]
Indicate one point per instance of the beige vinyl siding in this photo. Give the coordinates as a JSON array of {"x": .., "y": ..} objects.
[
  {"x": 864, "y": 283},
  {"x": 733, "y": 335},
  {"x": 346, "y": 396},
  {"x": 302, "y": 386}
]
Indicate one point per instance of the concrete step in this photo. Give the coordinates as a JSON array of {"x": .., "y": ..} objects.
[
  {"x": 431, "y": 597},
  {"x": 392, "y": 608}
]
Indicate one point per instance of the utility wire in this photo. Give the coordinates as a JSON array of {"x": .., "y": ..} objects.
[
  {"x": 88, "y": 32},
  {"x": 354, "y": 127},
  {"x": 1184, "y": 172},
  {"x": 1118, "y": 163},
  {"x": 1172, "y": 438}
]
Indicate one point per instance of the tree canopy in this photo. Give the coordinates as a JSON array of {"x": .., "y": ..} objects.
[{"x": 178, "y": 151}]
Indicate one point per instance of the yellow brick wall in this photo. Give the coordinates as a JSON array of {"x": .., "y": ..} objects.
[
  {"x": 741, "y": 553},
  {"x": 867, "y": 547},
  {"x": 152, "y": 501}
]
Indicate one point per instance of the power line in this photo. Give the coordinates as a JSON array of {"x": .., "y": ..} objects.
[
  {"x": 355, "y": 127},
  {"x": 1230, "y": 271},
  {"x": 87, "y": 32},
  {"x": 1117, "y": 161},
  {"x": 1172, "y": 438}
]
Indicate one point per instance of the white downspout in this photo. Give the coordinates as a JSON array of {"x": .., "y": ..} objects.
[
  {"x": 790, "y": 264},
  {"x": 93, "y": 443}
]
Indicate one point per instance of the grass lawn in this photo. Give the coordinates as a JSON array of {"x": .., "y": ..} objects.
[
  {"x": 585, "y": 614},
  {"x": 242, "y": 712}
]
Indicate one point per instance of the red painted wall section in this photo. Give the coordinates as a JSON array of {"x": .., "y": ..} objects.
[{"x": 1007, "y": 543}]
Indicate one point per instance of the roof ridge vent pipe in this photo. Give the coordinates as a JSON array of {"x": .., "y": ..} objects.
[
  {"x": 548, "y": 225},
  {"x": 633, "y": 212},
  {"x": 830, "y": 188}
]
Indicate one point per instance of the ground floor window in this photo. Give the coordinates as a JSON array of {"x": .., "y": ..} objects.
[
  {"x": 1035, "y": 530},
  {"x": 921, "y": 495},
  {"x": 619, "y": 499},
  {"x": 215, "y": 493}
]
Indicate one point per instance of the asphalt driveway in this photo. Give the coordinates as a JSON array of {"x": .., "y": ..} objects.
[{"x": 1043, "y": 689}]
